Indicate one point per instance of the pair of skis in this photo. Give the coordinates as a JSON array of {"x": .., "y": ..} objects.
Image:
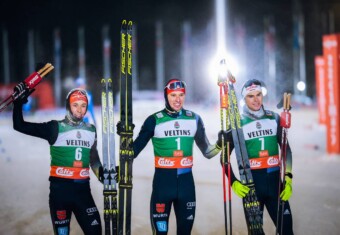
[
  {"x": 229, "y": 104},
  {"x": 109, "y": 162},
  {"x": 118, "y": 220}
]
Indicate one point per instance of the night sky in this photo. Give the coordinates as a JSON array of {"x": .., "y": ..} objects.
[{"x": 17, "y": 17}]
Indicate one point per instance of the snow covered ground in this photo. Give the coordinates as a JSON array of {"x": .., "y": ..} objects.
[{"x": 24, "y": 186}]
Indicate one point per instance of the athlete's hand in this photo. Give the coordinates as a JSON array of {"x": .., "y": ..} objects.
[
  {"x": 226, "y": 136},
  {"x": 288, "y": 190},
  {"x": 24, "y": 92},
  {"x": 240, "y": 189},
  {"x": 101, "y": 174},
  {"x": 121, "y": 127}
]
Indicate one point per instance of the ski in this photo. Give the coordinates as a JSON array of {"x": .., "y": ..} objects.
[
  {"x": 250, "y": 203},
  {"x": 30, "y": 83},
  {"x": 285, "y": 122},
  {"x": 109, "y": 162},
  {"x": 126, "y": 126}
]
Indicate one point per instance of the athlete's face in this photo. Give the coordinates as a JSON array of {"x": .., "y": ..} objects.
[
  {"x": 254, "y": 100},
  {"x": 176, "y": 100},
  {"x": 78, "y": 108}
]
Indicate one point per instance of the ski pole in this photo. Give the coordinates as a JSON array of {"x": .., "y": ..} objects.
[
  {"x": 229, "y": 188},
  {"x": 30, "y": 82},
  {"x": 222, "y": 83},
  {"x": 224, "y": 103},
  {"x": 285, "y": 122}
]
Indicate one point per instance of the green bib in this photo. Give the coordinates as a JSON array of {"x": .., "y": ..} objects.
[
  {"x": 260, "y": 136},
  {"x": 174, "y": 137},
  {"x": 73, "y": 145}
]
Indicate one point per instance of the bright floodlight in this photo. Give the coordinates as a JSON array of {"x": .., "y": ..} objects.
[
  {"x": 222, "y": 70},
  {"x": 215, "y": 68},
  {"x": 301, "y": 86}
]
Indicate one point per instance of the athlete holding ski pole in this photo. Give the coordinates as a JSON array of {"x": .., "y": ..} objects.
[
  {"x": 173, "y": 131},
  {"x": 263, "y": 133},
  {"x": 73, "y": 148}
]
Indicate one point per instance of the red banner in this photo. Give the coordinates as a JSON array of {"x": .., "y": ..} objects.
[
  {"x": 331, "y": 54},
  {"x": 321, "y": 85}
]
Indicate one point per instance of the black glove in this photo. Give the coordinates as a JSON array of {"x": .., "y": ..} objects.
[
  {"x": 20, "y": 88},
  {"x": 280, "y": 105},
  {"x": 120, "y": 127},
  {"x": 101, "y": 174},
  {"x": 22, "y": 93},
  {"x": 226, "y": 136},
  {"x": 117, "y": 174}
]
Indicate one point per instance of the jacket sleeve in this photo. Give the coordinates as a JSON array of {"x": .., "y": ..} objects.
[
  {"x": 95, "y": 160},
  {"x": 145, "y": 134},
  {"x": 46, "y": 130},
  {"x": 208, "y": 150}
]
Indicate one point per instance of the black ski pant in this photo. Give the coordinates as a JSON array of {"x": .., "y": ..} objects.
[
  {"x": 67, "y": 196},
  {"x": 267, "y": 189},
  {"x": 169, "y": 189}
]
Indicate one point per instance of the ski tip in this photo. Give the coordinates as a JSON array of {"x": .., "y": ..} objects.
[
  {"x": 123, "y": 22},
  {"x": 129, "y": 27}
]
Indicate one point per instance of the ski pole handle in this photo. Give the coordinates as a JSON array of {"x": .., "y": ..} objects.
[
  {"x": 286, "y": 101},
  {"x": 224, "y": 74},
  {"x": 30, "y": 82},
  {"x": 34, "y": 79},
  {"x": 285, "y": 117},
  {"x": 223, "y": 96}
]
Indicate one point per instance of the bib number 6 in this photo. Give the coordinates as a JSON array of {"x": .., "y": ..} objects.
[{"x": 78, "y": 154}]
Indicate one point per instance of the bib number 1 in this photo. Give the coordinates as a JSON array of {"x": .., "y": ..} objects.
[{"x": 178, "y": 140}]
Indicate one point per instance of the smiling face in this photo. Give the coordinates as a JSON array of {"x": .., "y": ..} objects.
[
  {"x": 176, "y": 100},
  {"x": 254, "y": 100},
  {"x": 78, "y": 109}
]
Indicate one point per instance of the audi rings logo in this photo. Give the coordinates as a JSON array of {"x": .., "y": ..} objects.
[
  {"x": 190, "y": 205},
  {"x": 91, "y": 210}
]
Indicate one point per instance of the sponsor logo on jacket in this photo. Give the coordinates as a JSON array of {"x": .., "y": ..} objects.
[
  {"x": 64, "y": 172},
  {"x": 177, "y": 133},
  {"x": 166, "y": 162},
  {"x": 78, "y": 143},
  {"x": 260, "y": 133}
]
